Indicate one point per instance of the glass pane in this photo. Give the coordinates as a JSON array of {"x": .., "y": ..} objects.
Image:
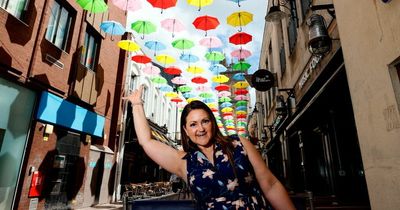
[
  {"x": 16, "y": 105},
  {"x": 15, "y": 7},
  {"x": 3, "y": 3},
  {"x": 51, "y": 27},
  {"x": 89, "y": 58},
  {"x": 84, "y": 49},
  {"x": 62, "y": 29}
]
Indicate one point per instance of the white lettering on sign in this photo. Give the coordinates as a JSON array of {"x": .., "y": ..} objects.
[
  {"x": 307, "y": 73},
  {"x": 263, "y": 79}
]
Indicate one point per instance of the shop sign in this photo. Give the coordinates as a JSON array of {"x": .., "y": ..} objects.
[
  {"x": 262, "y": 80},
  {"x": 315, "y": 60}
]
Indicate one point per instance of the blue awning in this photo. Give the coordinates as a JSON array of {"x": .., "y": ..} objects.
[{"x": 58, "y": 111}]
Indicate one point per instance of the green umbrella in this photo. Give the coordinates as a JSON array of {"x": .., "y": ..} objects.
[
  {"x": 224, "y": 99},
  {"x": 93, "y": 6},
  {"x": 241, "y": 124},
  {"x": 241, "y": 66},
  {"x": 214, "y": 56},
  {"x": 143, "y": 27},
  {"x": 241, "y": 103},
  {"x": 228, "y": 121},
  {"x": 159, "y": 80},
  {"x": 182, "y": 44},
  {"x": 184, "y": 88},
  {"x": 206, "y": 95}
]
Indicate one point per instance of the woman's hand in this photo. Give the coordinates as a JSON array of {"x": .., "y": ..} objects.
[{"x": 135, "y": 97}]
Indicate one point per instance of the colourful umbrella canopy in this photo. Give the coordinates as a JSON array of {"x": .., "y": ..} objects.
[
  {"x": 158, "y": 80},
  {"x": 184, "y": 88},
  {"x": 220, "y": 78},
  {"x": 141, "y": 59},
  {"x": 192, "y": 99},
  {"x": 241, "y": 108},
  {"x": 206, "y": 23},
  {"x": 165, "y": 59},
  {"x": 226, "y": 104},
  {"x": 199, "y": 80},
  {"x": 171, "y": 94},
  {"x": 166, "y": 88},
  {"x": 214, "y": 56},
  {"x": 176, "y": 100},
  {"x": 189, "y": 95},
  {"x": 179, "y": 80},
  {"x": 128, "y": 5},
  {"x": 172, "y": 70},
  {"x": 218, "y": 68},
  {"x": 241, "y": 53},
  {"x": 241, "y": 92},
  {"x": 210, "y": 42},
  {"x": 224, "y": 99},
  {"x": 228, "y": 118},
  {"x": 203, "y": 88},
  {"x": 199, "y": 3},
  {"x": 241, "y": 66},
  {"x": 227, "y": 113},
  {"x": 208, "y": 100},
  {"x": 229, "y": 121},
  {"x": 112, "y": 27},
  {"x": 241, "y": 112},
  {"x": 241, "y": 84},
  {"x": 240, "y": 18},
  {"x": 212, "y": 105},
  {"x": 240, "y": 38},
  {"x": 143, "y": 27},
  {"x": 93, "y": 6},
  {"x": 241, "y": 103},
  {"x": 151, "y": 70},
  {"x": 155, "y": 46},
  {"x": 195, "y": 69},
  {"x": 172, "y": 25},
  {"x": 224, "y": 94},
  {"x": 206, "y": 95},
  {"x": 189, "y": 58},
  {"x": 222, "y": 87},
  {"x": 237, "y": 1},
  {"x": 238, "y": 77},
  {"x": 227, "y": 109},
  {"x": 162, "y": 4},
  {"x": 182, "y": 44},
  {"x": 128, "y": 45}
]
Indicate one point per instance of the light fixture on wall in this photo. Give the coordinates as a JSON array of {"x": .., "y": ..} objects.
[
  {"x": 319, "y": 41},
  {"x": 275, "y": 13}
]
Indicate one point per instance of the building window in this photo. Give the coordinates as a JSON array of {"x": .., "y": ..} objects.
[
  {"x": 395, "y": 76},
  {"x": 282, "y": 58},
  {"x": 305, "y": 5},
  {"x": 59, "y": 25},
  {"x": 17, "y": 8},
  {"x": 292, "y": 26},
  {"x": 90, "y": 49}
]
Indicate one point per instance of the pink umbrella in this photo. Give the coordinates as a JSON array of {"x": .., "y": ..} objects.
[
  {"x": 179, "y": 80},
  {"x": 203, "y": 88},
  {"x": 241, "y": 97},
  {"x": 151, "y": 70},
  {"x": 172, "y": 25},
  {"x": 210, "y": 42},
  {"x": 229, "y": 117},
  {"x": 224, "y": 94},
  {"x": 241, "y": 53},
  {"x": 128, "y": 5}
]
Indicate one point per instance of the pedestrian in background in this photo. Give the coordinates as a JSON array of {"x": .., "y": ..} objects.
[{"x": 222, "y": 172}]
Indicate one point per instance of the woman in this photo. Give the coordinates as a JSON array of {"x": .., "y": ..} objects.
[{"x": 223, "y": 173}]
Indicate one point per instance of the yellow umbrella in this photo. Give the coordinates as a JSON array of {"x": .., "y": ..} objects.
[
  {"x": 211, "y": 105},
  {"x": 128, "y": 45},
  {"x": 230, "y": 126},
  {"x": 165, "y": 59},
  {"x": 240, "y": 18},
  {"x": 241, "y": 84},
  {"x": 220, "y": 78},
  {"x": 241, "y": 112},
  {"x": 227, "y": 109},
  {"x": 199, "y": 3},
  {"x": 191, "y": 99},
  {"x": 195, "y": 69},
  {"x": 171, "y": 94}
]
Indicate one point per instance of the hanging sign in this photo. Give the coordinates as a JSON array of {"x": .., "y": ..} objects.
[{"x": 262, "y": 80}]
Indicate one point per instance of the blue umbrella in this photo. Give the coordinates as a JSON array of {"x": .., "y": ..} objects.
[
  {"x": 112, "y": 27},
  {"x": 208, "y": 100},
  {"x": 189, "y": 58},
  {"x": 241, "y": 108},
  {"x": 226, "y": 104},
  {"x": 166, "y": 88},
  {"x": 238, "y": 76},
  {"x": 217, "y": 68},
  {"x": 155, "y": 46},
  {"x": 189, "y": 95},
  {"x": 237, "y": 1}
]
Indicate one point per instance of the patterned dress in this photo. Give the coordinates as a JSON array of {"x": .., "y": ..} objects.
[{"x": 217, "y": 187}]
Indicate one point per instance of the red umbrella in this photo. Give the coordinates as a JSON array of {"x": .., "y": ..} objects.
[
  {"x": 241, "y": 116},
  {"x": 241, "y": 92},
  {"x": 240, "y": 38},
  {"x": 162, "y": 4},
  {"x": 206, "y": 23},
  {"x": 222, "y": 87},
  {"x": 141, "y": 59},
  {"x": 227, "y": 114},
  {"x": 214, "y": 110},
  {"x": 172, "y": 70},
  {"x": 176, "y": 100},
  {"x": 199, "y": 80}
]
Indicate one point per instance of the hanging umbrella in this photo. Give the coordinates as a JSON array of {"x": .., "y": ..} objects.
[
  {"x": 244, "y": 124},
  {"x": 241, "y": 103},
  {"x": 182, "y": 44},
  {"x": 220, "y": 78},
  {"x": 93, "y": 6},
  {"x": 189, "y": 58},
  {"x": 112, "y": 27},
  {"x": 224, "y": 94},
  {"x": 214, "y": 56},
  {"x": 229, "y": 121},
  {"x": 227, "y": 109},
  {"x": 165, "y": 59},
  {"x": 171, "y": 95},
  {"x": 206, "y": 95},
  {"x": 240, "y": 18},
  {"x": 199, "y": 80},
  {"x": 226, "y": 104},
  {"x": 141, "y": 59},
  {"x": 206, "y": 23},
  {"x": 241, "y": 84},
  {"x": 210, "y": 42},
  {"x": 224, "y": 99},
  {"x": 222, "y": 87},
  {"x": 203, "y": 88},
  {"x": 215, "y": 110},
  {"x": 238, "y": 77},
  {"x": 143, "y": 27},
  {"x": 172, "y": 25},
  {"x": 189, "y": 95},
  {"x": 218, "y": 68},
  {"x": 200, "y": 3},
  {"x": 241, "y": 112},
  {"x": 151, "y": 70},
  {"x": 180, "y": 105},
  {"x": 240, "y": 38},
  {"x": 128, "y": 5},
  {"x": 212, "y": 106},
  {"x": 162, "y": 4},
  {"x": 241, "y": 108},
  {"x": 208, "y": 100},
  {"x": 172, "y": 70},
  {"x": 158, "y": 80},
  {"x": 195, "y": 69},
  {"x": 241, "y": 97},
  {"x": 228, "y": 118},
  {"x": 227, "y": 113},
  {"x": 241, "y": 92},
  {"x": 241, "y": 53},
  {"x": 241, "y": 66},
  {"x": 192, "y": 99},
  {"x": 128, "y": 45},
  {"x": 179, "y": 80},
  {"x": 176, "y": 100},
  {"x": 237, "y": 1},
  {"x": 155, "y": 46},
  {"x": 166, "y": 88},
  {"x": 184, "y": 88}
]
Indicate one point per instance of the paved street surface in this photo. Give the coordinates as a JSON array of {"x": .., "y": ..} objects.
[{"x": 107, "y": 206}]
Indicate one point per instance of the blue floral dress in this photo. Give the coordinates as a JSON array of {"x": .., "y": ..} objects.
[{"x": 217, "y": 187}]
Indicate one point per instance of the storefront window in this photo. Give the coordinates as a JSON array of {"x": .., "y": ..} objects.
[{"x": 16, "y": 105}]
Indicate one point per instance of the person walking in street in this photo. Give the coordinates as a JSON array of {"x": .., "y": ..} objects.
[{"x": 222, "y": 172}]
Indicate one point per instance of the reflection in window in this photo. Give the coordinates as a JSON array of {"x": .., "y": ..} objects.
[
  {"x": 59, "y": 25},
  {"x": 15, "y": 7},
  {"x": 90, "y": 49}
]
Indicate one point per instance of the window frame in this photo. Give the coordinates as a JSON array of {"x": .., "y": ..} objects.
[
  {"x": 94, "y": 39},
  {"x": 4, "y": 4}
]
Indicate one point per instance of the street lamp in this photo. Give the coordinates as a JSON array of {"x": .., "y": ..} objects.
[{"x": 275, "y": 14}]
